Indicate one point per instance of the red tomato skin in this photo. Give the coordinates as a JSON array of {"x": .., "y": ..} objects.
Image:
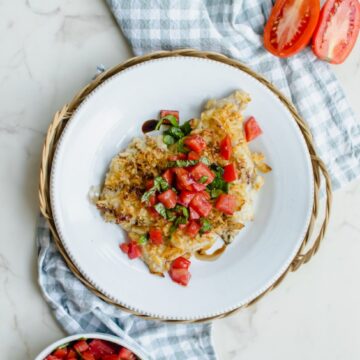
[
  {"x": 198, "y": 187},
  {"x": 192, "y": 228},
  {"x": 195, "y": 143},
  {"x": 194, "y": 215},
  {"x": 60, "y": 353},
  {"x": 126, "y": 354},
  {"x": 110, "y": 357},
  {"x": 168, "y": 198},
  {"x": 226, "y": 203},
  {"x": 153, "y": 212},
  {"x": 87, "y": 355},
  {"x": 192, "y": 155},
  {"x": 168, "y": 175},
  {"x": 185, "y": 197},
  {"x": 184, "y": 180},
  {"x": 200, "y": 170},
  {"x": 181, "y": 263},
  {"x": 230, "y": 173},
  {"x": 226, "y": 148},
  {"x": 180, "y": 276},
  {"x": 201, "y": 205},
  {"x": 99, "y": 348},
  {"x": 306, "y": 6},
  {"x": 71, "y": 355},
  {"x": 134, "y": 250},
  {"x": 252, "y": 129},
  {"x": 81, "y": 346},
  {"x": 320, "y": 45},
  {"x": 152, "y": 200},
  {"x": 156, "y": 236},
  {"x": 149, "y": 184},
  {"x": 180, "y": 156},
  {"x": 169, "y": 112}
]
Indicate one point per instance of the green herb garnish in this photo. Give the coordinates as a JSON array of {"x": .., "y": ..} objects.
[
  {"x": 160, "y": 208},
  {"x": 175, "y": 132},
  {"x": 184, "y": 210},
  {"x": 181, "y": 147},
  {"x": 170, "y": 215},
  {"x": 160, "y": 184},
  {"x": 205, "y": 225},
  {"x": 182, "y": 163},
  {"x": 218, "y": 185},
  {"x": 203, "y": 179},
  {"x": 205, "y": 160},
  {"x": 171, "y": 118},
  {"x": 143, "y": 239},
  {"x": 168, "y": 139},
  {"x": 186, "y": 128}
]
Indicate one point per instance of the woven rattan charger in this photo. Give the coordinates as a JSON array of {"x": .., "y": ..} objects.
[{"x": 61, "y": 118}]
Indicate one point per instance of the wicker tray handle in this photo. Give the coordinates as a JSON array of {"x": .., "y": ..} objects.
[{"x": 306, "y": 251}]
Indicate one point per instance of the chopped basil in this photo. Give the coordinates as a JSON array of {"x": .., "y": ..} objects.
[
  {"x": 148, "y": 194},
  {"x": 205, "y": 225},
  {"x": 214, "y": 193},
  {"x": 160, "y": 208},
  {"x": 171, "y": 118},
  {"x": 203, "y": 179},
  {"x": 205, "y": 160},
  {"x": 183, "y": 209},
  {"x": 181, "y": 147},
  {"x": 175, "y": 132},
  {"x": 183, "y": 163},
  {"x": 170, "y": 215},
  {"x": 143, "y": 239},
  {"x": 218, "y": 185},
  {"x": 168, "y": 139},
  {"x": 160, "y": 184},
  {"x": 186, "y": 128},
  {"x": 172, "y": 229}
]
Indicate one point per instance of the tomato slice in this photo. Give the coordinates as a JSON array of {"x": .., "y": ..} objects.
[
  {"x": 181, "y": 263},
  {"x": 125, "y": 354},
  {"x": 252, "y": 129},
  {"x": 230, "y": 173},
  {"x": 195, "y": 143},
  {"x": 201, "y": 205},
  {"x": 226, "y": 203},
  {"x": 184, "y": 179},
  {"x": 201, "y": 172},
  {"x": 168, "y": 198},
  {"x": 134, "y": 250},
  {"x": 168, "y": 175},
  {"x": 290, "y": 26},
  {"x": 185, "y": 197},
  {"x": 192, "y": 155},
  {"x": 81, "y": 346},
  {"x": 194, "y": 215},
  {"x": 337, "y": 30},
  {"x": 192, "y": 228},
  {"x": 226, "y": 147},
  {"x": 156, "y": 236},
  {"x": 100, "y": 348},
  {"x": 180, "y": 276}
]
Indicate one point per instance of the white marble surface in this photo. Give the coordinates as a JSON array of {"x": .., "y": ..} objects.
[{"x": 48, "y": 50}]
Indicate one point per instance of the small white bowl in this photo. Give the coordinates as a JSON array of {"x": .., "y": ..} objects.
[{"x": 47, "y": 351}]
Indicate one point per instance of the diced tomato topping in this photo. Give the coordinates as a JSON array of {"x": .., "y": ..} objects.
[
  {"x": 192, "y": 155},
  {"x": 152, "y": 200},
  {"x": 226, "y": 204},
  {"x": 200, "y": 170},
  {"x": 164, "y": 113},
  {"x": 226, "y": 147},
  {"x": 81, "y": 346},
  {"x": 168, "y": 175},
  {"x": 230, "y": 173},
  {"x": 193, "y": 228},
  {"x": 60, "y": 353},
  {"x": 153, "y": 212},
  {"x": 201, "y": 205},
  {"x": 87, "y": 355},
  {"x": 180, "y": 276},
  {"x": 205, "y": 194},
  {"x": 193, "y": 214},
  {"x": 198, "y": 187},
  {"x": 252, "y": 129},
  {"x": 185, "y": 197},
  {"x": 195, "y": 143},
  {"x": 182, "y": 226},
  {"x": 156, "y": 236},
  {"x": 124, "y": 247},
  {"x": 99, "y": 348},
  {"x": 134, "y": 250},
  {"x": 168, "y": 198},
  {"x": 71, "y": 355},
  {"x": 181, "y": 263},
  {"x": 184, "y": 179},
  {"x": 125, "y": 354},
  {"x": 180, "y": 156},
  {"x": 149, "y": 184}
]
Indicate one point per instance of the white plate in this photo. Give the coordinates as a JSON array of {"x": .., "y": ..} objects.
[{"x": 105, "y": 123}]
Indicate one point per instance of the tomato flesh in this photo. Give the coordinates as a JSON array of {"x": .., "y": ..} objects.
[
  {"x": 192, "y": 155},
  {"x": 230, "y": 173},
  {"x": 180, "y": 263},
  {"x": 168, "y": 198},
  {"x": 180, "y": 276},
  {"x": 195, "y": 143},
  {"x": 290, "y": 26},
  {"x": 185, "y": 197},
  {"x": 156, "y": 236},
  {"x": 168, "y": 175},
  {"x": 81, "y": 346},
  {"x": 134, "y": 250},
  {"x": 60, "y": 353},
  {"x": 149, "y": 184},
  {"x": 192, "y": 228},
  {"x": 194, "y": 215},
  {"x": 252, "y": 129},
  {"x": 87, "y": 355},
  {"x": 226, "y": 203},
  {"x": 100, "y": 348},
  {"x": 125, "y": 354},
  {"x": 226, "y": 147},
  {"x": 199, "y": 171},
  {"x": 337, "y": 30},
  {"x": 201, "y": 205},
  {"x": 184, "y": 180}
]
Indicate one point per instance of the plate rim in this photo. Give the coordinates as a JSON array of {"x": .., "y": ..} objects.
[{"x": 256, "y": 295}]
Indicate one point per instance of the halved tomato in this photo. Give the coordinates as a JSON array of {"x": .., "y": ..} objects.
[
  {"x": 337, "y": 30},
  {"x": 290, "y": 26}
]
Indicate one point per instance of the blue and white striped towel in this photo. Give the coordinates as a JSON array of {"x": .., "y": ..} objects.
[{"x": 234, "y": 28}]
